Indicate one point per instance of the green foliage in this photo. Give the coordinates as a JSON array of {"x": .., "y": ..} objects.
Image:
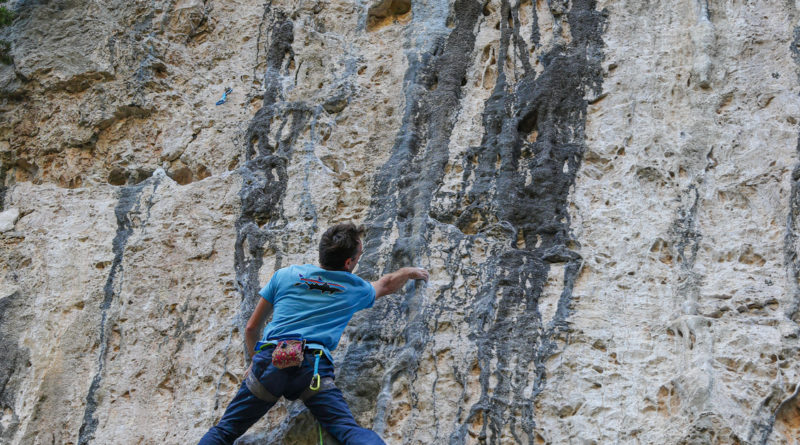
[{"x": 6, "y": 17}]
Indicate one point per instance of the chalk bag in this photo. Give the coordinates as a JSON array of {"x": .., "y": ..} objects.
[{"x": 288, "y": 353}]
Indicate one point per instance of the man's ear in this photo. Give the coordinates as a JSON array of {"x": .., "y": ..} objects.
[{"x": 350, "y": 264}]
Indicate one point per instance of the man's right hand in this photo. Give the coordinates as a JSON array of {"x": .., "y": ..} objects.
[
  {"x": 417, "y": 273},
  {"x": 393, "y": 282}
]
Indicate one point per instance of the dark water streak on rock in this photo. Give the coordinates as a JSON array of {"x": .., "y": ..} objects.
[
  {"x": 792, "y": 239},
  {"x": 766, "y": 415},
  {"x": 264, "y": 181},
  {"x": 14, "y": 359},
  {"x": 550, "y": 111},
  {"x": 402, "y": 195},
  {"x": 535, "y": 129},
  {"x": 129, "y": 202},
  {"x": 264, "y": 176}
]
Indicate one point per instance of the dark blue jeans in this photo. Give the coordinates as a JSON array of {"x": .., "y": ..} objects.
[{"x": 328, "y": 406}]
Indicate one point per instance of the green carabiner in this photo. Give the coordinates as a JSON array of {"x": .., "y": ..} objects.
[{"x": 315, "y": 383}]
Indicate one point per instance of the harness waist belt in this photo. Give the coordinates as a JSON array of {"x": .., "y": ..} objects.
[{"x": 309, "y": 344}]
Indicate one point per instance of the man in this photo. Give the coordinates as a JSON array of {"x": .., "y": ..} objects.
[{"x": 310, "y": 308}]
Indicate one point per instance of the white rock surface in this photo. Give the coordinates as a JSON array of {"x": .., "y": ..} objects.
[
  {"x": 7, "y": 219},
  {"x": 622, "y": 268}
]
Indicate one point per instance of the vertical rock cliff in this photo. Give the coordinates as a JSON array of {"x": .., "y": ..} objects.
[{"x": 605, "y": 193}]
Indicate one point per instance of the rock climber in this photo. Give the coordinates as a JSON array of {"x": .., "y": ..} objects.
[{"x": 310, "y": 308}]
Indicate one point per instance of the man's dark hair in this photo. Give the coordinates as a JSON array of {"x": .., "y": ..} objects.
[{"x": 339, "y": 243}]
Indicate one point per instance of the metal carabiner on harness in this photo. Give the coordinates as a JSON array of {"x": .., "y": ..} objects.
[{"x": 315, "y": 380}]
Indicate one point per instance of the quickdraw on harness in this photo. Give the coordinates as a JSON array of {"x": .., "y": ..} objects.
[
  {"x": 315, "y": 380},
  {"x": 315, "y": 383}
]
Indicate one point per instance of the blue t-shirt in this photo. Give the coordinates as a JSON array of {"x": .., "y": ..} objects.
[{"x": 314, "y": 304}]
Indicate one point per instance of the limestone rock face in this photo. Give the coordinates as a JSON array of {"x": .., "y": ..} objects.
[{"x": 606, "y": 194}]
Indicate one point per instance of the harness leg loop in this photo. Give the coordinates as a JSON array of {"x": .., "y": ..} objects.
[{"x": 258, "y": 389}]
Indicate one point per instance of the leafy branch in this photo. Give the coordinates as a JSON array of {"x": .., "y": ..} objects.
[{"x": 6, "y": 17}]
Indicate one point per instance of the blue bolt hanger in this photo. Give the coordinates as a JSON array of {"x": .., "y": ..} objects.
[{"x": 225, "y": 96}]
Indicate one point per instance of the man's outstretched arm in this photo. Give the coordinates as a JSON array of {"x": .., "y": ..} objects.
[
  {"x": 255, "y": 325},
  {"x": 393, "y": 282}
]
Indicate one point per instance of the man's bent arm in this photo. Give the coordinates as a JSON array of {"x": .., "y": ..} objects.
[
  {"x": 255, "y": 324},
  {"x": 393, "y": 282}
]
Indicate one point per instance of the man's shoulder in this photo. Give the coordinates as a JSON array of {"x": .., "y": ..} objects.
[
  {"x": 362, "y": 286},
  {"x": 361, "y": 281}
]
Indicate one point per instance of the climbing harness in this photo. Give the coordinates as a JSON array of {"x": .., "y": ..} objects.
[
  {"x": 286, "y": 354},
  {"x": 225, "y": 96}
]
